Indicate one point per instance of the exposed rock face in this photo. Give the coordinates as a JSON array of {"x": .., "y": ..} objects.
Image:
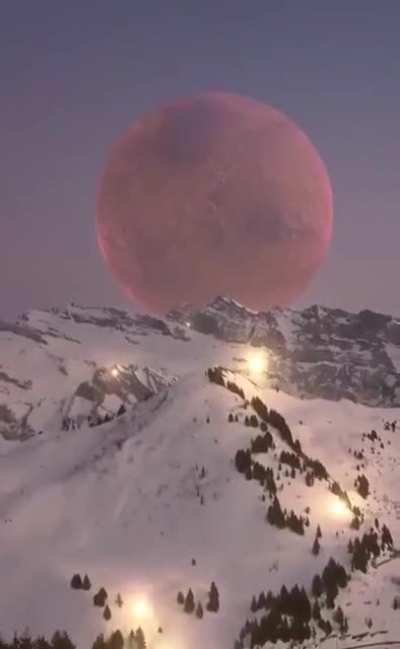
[
  {"x": 59, "y": 364},
  {"x": 317, "y": 352}
]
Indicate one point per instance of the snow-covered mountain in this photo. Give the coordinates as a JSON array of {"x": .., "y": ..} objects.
[
  {"x": 123, "y": 457},
  {"x": 317, "y": 352}
]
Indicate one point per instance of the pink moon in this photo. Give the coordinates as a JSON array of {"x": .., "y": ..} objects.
[{"x": 217, "y": 194}]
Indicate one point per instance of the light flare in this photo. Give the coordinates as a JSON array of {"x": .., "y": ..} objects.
[
  {"x": 142, "y": 608},
  {"x": 257, "y": 362},
  {"x": 339, "y": 509}
]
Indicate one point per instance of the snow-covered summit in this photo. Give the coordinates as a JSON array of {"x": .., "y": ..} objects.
[{"x": 316, "y": 352}]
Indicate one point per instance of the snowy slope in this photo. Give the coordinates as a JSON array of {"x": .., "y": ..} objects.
[{"x": 127, "y": 501}]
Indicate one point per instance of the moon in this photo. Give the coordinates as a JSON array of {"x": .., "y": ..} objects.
[{"x": 216, "y": 194}]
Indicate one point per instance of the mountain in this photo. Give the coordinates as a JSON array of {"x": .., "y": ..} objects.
[
  {"x": 141, "y": 451},
  {"x": 317, "y": 352}
]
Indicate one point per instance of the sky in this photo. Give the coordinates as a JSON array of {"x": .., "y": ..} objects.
[{"x": 74, "y": 76}]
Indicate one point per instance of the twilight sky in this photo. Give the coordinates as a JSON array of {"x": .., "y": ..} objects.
[{"x": 75, "y": 74}]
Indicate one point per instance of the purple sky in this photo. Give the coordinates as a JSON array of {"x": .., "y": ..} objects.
[{"x": 75, "y": 74}]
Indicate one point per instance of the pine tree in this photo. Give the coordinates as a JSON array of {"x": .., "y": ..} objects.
[
  {"x": 61, "y": 641},
  {"x": 107, "y": 613},
  {"x": 118, "y": 600},
  {"x": 261, "y": 601},
  {"x": 253, "y": 605},
  {"x": 100, "y": 643},
  {"x": 199, "y": 611},
  {"x": 76, "y": 582},
  {"x": 319, "y": 533},
  {"x": 332, "y": 592},
  {"x": 316, "y": 611},
  {"x": 116, "y": 640},
  {"x": 317, "y": 586},
  {"x": 86, "y": 585},
  {"x": 140, "y": 640},
  {"x": 213, "y": 599},
  {"x": 131, "y": 640},
  {"x": 100, "y": 597},
  {"x": 189, "y": 602},
  {"x": 316, "y": 547},
  {"x": 180, "y": 598}
]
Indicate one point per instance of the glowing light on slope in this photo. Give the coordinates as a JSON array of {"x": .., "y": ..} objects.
[
  {"x": 339, "y": 509},
  {"x": 141, "y": 608},
  {"x": 115, "y": 372},
  {"x": 257, "y": 362}
]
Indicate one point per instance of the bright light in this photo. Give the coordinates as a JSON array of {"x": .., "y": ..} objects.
[
  {"x": 257, "y": 362},
  {"x": 142, "y": 608},
  {"x": 339, "y": 508},
  {"x": 188, "y": 324},
  {"x": 115, "y": 372}
]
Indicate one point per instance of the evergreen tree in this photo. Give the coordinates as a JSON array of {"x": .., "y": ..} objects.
[
  {"x": 213, "y": 599},
  {"x": 316, "y": 611},
  {"x": 118, "y": 600},
  {"x": 317, "y": 586},
  {"x": 331, "y": 594},
  {"x": 100, "y": 598},
  {"x": 131, "y": 640},
  {"x": 61, "y": 641},
  {"x": 316, "y": 547},
  {"x": 387, "y": 539},
  {"x": 275, "y": 514},
  {"x": 76, "y": 582},
  {"x": 339, "y": 618},
  {"x": 140, "y": 640},
  {"x": 319, "y": 533},
  {"x": 261, "y": 601},
  {"x": 107, "y": 613},
  {"x": 269, "y": 600},
  {"x": 243, "y": 460},
  {"x": 116, "y": 640},
  {"x": 180, "y": 598},
  {"x": 253, "y": 605},
  {"x": 86, "y": 585},
  {"x": 189, "y": 602},
  {"x": 199, "y": 611},
  {"x": 362, "y": 486},
  {"x": 100, "y": 643}
]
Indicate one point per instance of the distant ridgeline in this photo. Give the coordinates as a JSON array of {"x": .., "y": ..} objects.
[{"x": 317, "y": 352}]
